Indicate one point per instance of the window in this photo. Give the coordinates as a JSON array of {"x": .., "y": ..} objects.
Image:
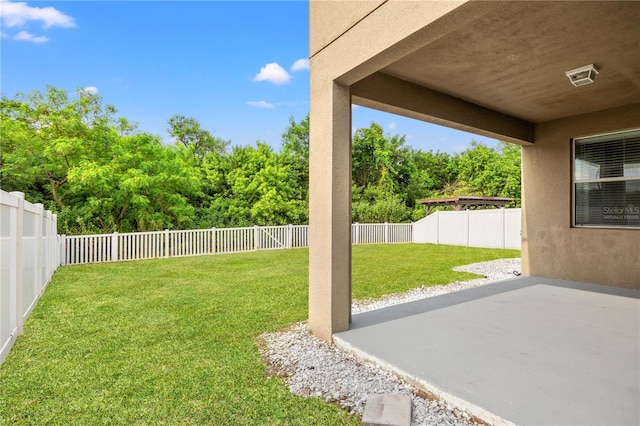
[{"x": 606, "y": 180}]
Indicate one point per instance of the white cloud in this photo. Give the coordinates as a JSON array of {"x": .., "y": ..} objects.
[
  {"x": 294, "y": 104},
  {"x": 392, "y": 126},
  {"x": 300, "y": 64},
  {"x": 25, "y": 36},
  {"x": 261, "y": 104},
  {"x": 273, "y": 73},
  {"x": 459, "y": 148},
  {"x": 17, "y": 14},
  {"x": 91, "y": 89}
]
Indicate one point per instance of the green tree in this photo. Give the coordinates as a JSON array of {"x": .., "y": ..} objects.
[
  {"x": 381, "y": 174},
  {"x": 188, "y": 132},
  {"x": 377, "y": 159},
  {"x": 295, "y": 153},
  {"x": 91, "y": 168},
  {"x": 430, "y": 173},
  {"x": 141, "y": 186},
  {"x": 259, "y": 189},
  {"x": 493, "y": 172},
  {"x": 74, "y": 155},
  {"x": 45, "y": 135}
]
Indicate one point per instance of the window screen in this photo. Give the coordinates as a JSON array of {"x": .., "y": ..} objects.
[{"x": 606, "y": 179}]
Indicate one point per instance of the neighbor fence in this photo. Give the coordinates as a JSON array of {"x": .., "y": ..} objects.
[
  {"x": 492, "y": 228},
  {"x": 495, "y": 228},
  {"x": 29, "y": 255},
  {"x": 81, "y": 249}
]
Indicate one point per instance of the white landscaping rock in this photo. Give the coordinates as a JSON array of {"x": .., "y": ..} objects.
[{"x": 312, "y": 367}]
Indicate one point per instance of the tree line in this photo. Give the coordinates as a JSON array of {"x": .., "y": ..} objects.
[{"x": 100, "y": 174}]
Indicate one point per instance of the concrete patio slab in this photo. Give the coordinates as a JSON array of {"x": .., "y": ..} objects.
[{"x": 524, "y": 351}]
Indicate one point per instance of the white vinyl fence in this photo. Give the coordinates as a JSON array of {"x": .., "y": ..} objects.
[
  {"x": 29, "y": 255},
  {"x": 493, "y": 228},
  {"x": 30, "y": 249},
  {"x": 381, "y": 233},
  {"x": 149, "y": 245}
]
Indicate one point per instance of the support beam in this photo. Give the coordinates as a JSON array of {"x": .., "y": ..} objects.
[
  {"x": 329, "y": 208},
  {"x": 387, "y": 93},
  {"x": 357, "y": 39}
]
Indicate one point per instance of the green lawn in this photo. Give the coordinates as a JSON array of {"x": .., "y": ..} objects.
[{"x": 173, "y": 341}]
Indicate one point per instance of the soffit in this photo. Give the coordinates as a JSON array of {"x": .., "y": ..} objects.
[{"x": 513, "y": 57}]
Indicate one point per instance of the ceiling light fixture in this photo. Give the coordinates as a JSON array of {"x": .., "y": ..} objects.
[{"x": 583, "y": 75}]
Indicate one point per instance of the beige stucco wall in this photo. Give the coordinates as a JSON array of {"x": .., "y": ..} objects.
[
  {"x": 353, "y": 45},
  {"x": 377, "y": 35},
  {"x": 336, "y": 63},
  {"x": 551, "y": 247},
  {"x": 344, "y": 47},
  {"x": 329, "y": 208},
  {"x": 330, "y": 19}
]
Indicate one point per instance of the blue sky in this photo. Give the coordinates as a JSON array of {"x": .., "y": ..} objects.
[{"x": 239, "y": 68}]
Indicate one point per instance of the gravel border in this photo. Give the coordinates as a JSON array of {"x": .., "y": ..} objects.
[{"x": 312, "y": 367}]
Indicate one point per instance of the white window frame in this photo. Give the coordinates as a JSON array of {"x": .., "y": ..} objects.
[{"x": 605, "y": 137}]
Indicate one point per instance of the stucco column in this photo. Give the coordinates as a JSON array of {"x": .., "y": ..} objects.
[
  {"x": 329, "y": 208},
  {"x": 524, "y": 235}
]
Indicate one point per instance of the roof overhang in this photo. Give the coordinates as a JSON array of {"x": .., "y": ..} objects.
[{"x": 497, "y": 68}]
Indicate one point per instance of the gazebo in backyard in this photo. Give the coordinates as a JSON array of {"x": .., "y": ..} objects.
[{"x": 465, "y": 202}]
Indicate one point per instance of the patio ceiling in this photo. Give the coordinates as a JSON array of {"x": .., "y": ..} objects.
[{"x": 511, "y": 57}]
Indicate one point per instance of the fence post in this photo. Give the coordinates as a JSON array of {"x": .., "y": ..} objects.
[
  {"x": 256, "y": 238},
  {"x": 468, "y": 219},
  {"x": 437, "y": 226},
  {"x": 18, "y": 265},
  {"x": 289, "y": 236},
  {"x": 114, "y": 246},
  {"x": 213, "y": 240},
  {"x": 38, "y": 254},
  {"x": 54, "y": 235},
  {"x": 166, "y": 243},
  {"x": 356, "y": 230},
  {"x": 504, "y": 226},
  {"x": 48, "y": 246},
  {"x": 386, "y": 232},
  {"x": 63, "y": 249}
]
